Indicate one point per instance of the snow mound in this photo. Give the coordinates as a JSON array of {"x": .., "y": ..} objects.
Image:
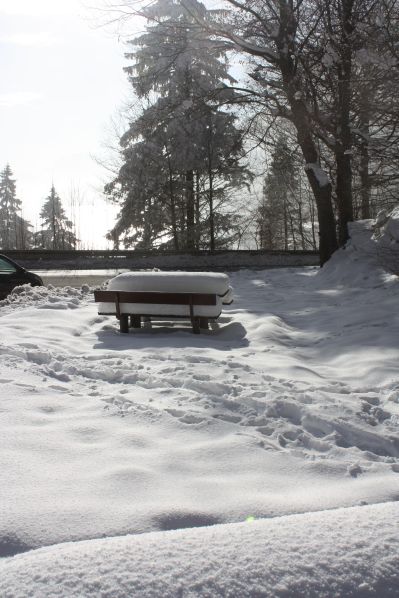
[
  {"x": 387, "y": 228},
  {"x": 370, "y": 255},
  {"x": 45, "y": 297},
  {"x": 346, "y": 552}
]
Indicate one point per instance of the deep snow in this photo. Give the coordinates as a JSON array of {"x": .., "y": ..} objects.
[{"x": 289, "y": 405}]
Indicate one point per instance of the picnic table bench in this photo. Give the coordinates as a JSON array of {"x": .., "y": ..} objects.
[{"x": 133, "y": 296}]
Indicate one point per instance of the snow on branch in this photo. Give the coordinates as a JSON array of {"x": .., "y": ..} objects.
[
  {"x": 226, "y": 32},
  {"x": 319, "y": 173}
]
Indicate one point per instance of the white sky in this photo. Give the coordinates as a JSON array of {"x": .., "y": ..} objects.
[{"x": 62, "y": 82}]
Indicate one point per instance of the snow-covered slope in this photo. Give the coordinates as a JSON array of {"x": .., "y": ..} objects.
[
  {"x": 343, "y": 553},
  {"x": 289, "y": 405}
]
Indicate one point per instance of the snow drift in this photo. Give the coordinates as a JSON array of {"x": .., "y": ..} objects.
[{"x": 348, "y": 552}]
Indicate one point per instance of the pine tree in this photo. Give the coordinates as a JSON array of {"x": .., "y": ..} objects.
[
  {"x": 282, "y": 215},
  {"x": 183, "y": 153},
  {"x": 280, "y": 184},
  {"x": 14, "y": 229},
  {"x": 57, "y": 230}
]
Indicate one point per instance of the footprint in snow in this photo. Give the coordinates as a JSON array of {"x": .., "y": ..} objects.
[
  {"x": 185, "y": 418},
  {"x": 26, "y": 386},
  {"x": 234, "y": 419},
  {"x": 58, "y": 387},
  {"x": 191, "y": 419},
  {"x": 175, "y": 412},
  {"x": 354, "y": 470}
]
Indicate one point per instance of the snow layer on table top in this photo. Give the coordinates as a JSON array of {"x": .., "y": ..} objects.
[
  {"x": 171, "y": 282},
  {"x": 289, "y": 405},
  {"x": 347, "y": 553}
]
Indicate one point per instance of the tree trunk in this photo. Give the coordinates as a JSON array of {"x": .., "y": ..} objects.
[
  {"x": 327, "y": 236},
  {"x": 292, "y": 227},
  {"x": 344, "y": 194},
  {"x": 210, "y": 183},
  {"x": 364, "y": 171},
  {"x": 318, "y": 180},
  {"x": 285, "y": 217},
  {"x": 53, "y": 225},
  {"x": 197, "y": 211},
  {"x": 344, "y": 136},
  {"x": 365, "y": 180},
  {"x": 300, "y": 219},
  {"x": 319, "y": 183},
  {"x": 190, "y": 210},
  {"x": 173, "y": 208},
  {"x": 147, "y": 232},
  {"x": 211, "y": 213}
]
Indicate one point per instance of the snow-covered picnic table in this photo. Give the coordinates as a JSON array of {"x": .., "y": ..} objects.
[{"x": 198, "y": 296}]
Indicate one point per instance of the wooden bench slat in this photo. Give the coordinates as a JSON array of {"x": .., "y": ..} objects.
[{"x": 155, "y": 297}]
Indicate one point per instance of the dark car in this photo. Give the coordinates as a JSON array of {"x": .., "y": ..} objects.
[{"x": 12, "y": 275}]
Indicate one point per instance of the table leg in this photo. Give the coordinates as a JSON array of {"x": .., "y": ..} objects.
[
  {"x": 124, "y": 323},
  {"x": 135, "y": 321}
]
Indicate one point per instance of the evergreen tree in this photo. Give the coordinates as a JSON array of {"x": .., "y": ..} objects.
[
  {"x": 14, "y": 229},
  {"x": 283, "y": 216},
  {"x": 279, "y": 191},
  {"x": 183, "y": 153},
  {"x": 57, "y": 230}
]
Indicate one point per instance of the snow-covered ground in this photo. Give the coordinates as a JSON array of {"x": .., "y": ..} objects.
[{"x": 290, "y": 405}]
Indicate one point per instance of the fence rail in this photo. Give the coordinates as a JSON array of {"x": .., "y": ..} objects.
[
  {"x": 107, "y": 253},
  {"x": 141, "y": 259}
]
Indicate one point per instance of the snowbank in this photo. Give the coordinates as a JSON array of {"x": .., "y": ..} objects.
[
  {"x": 386, "y": 228},
  {"x": 344, "y": 553},
  {"x": 372, "y": 250},
  {"x": 46, "y": 297}
]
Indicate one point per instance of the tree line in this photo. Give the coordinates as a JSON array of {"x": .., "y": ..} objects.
[
  {"x": 316, "y": 90},
  {"x": 56, "y": 231}
]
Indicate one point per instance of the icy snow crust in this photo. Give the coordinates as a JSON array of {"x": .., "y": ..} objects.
[{"x": 289, "y": 405}]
